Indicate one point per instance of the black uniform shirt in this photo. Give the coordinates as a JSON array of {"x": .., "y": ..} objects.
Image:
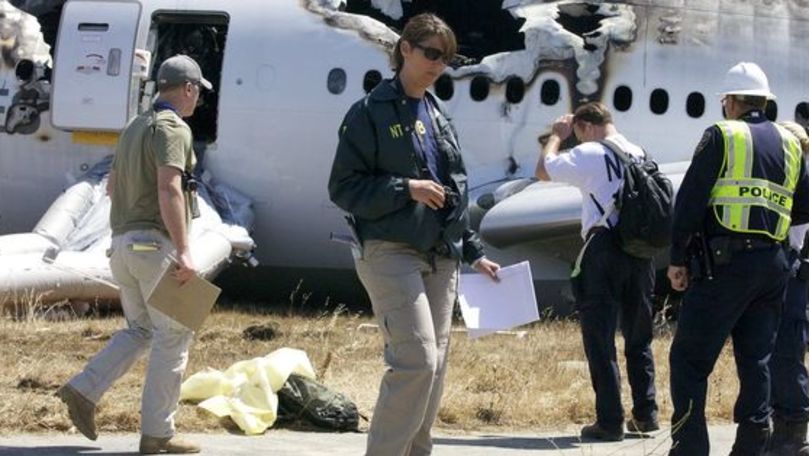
[{"x": 692, "y": 213}]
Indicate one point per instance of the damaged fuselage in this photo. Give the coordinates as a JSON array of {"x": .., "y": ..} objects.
[{"x": 286, "y": 74}]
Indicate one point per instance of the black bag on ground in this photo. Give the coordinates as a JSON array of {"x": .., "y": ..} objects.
[
  {"x": 306, "y": 399},
  {"x": 645, "y": 206}
]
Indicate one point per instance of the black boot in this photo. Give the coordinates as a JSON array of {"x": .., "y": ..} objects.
[
  {"x": 751, "y": 440},
  {"x": 789, "y": 439}
]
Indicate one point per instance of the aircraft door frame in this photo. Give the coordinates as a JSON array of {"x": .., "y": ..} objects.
[{"x": 202, "y": 35}]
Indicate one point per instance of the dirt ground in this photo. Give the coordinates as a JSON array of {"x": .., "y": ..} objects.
[{"x": 500, "y": 383}]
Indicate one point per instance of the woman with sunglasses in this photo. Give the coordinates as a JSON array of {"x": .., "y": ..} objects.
[{"x": 398, "y": 172}]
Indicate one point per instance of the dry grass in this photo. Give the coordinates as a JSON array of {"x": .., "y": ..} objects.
[{"x": 499, "y": 383}]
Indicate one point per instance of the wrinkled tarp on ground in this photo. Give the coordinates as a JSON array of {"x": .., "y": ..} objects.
[{"x": 246, "y": 391}]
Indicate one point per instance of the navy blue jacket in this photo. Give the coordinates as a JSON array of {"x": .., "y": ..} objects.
[
  {"x": 691, "y": 212},
  {"x": 376, "y": 158}
]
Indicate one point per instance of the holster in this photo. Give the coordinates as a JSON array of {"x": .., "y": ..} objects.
[
  {"x": 695, "y": 267},
  {"x": 700, "y": 261},
  {"x": 803, "y": 270}
]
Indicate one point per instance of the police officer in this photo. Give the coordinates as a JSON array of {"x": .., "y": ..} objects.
[
  {"x": 606, "y": 279},
  {"x": 789, "y": 379},
  {"x": 746, "y": 185}
]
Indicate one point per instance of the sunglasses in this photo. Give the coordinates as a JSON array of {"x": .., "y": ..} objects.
[{"x": 432, "y": 54}]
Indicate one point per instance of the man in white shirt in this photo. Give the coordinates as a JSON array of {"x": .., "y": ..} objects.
[{"x": 606, "y": 280}]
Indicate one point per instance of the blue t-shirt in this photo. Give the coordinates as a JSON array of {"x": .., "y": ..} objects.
[{"x": 424, "y": 139}]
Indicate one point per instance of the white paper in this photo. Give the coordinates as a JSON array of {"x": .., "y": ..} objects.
[{"x": 488, "y": 306}]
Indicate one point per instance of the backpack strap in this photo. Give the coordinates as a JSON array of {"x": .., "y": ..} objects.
[
  {"x": 626, "y": 159},
  {"x": 619, "y": 151}
]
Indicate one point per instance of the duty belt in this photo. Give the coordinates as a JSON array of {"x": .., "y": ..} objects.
[{"x": 739, "y": 244}]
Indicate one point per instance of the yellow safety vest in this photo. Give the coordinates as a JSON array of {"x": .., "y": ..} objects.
[{"x": 736, "y": 190}]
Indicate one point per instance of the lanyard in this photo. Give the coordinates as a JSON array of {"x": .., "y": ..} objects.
[
  {"x": 163, "y": 106},
  {"x": 421, "y": 154}
]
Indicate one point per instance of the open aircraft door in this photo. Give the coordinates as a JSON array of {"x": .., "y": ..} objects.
[{"x": 92, "y": 77}]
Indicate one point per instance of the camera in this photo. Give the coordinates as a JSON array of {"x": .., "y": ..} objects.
[
  {"x": 190, "y": 185},
  {"x": 451, "y": 198}
]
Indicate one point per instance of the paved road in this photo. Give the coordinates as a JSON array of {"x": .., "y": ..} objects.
[{"x": 288, "y": 443}]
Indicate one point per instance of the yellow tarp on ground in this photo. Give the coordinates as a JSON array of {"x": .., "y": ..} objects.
[{"x": 246, "y": 391}]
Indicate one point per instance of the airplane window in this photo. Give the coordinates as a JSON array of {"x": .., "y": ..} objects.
[
  {"x": 549, "y": 93},
  {"x": 659, "y": 101},
  {"x": 444, "y": 87},
  {"x": 802, "y": 113},
  {"x": 771, "y": 111},
  {"x": 479, "y": 88},
  {"x": 695, "y": 105},
  {"x": 336, "y": 81},
  {"x": 515, "y": 89},
  {"x": 371, "y": 79},
  {"x": 622, "y": 99}
]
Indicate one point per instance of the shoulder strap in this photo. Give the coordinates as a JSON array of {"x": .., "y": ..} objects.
[
  {"x": 626, "y": 159},
  {"x": 619, "y": 152}
]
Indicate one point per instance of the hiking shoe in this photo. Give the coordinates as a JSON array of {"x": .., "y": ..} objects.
[
  {"x": 642, "y": 426},
  {"x": 82, "y": 412},
  {"x": 596, "y": 432},
  {"x": 167, "y": 445}
]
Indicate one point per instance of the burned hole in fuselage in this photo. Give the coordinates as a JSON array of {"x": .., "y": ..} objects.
[
  {"x": 48, "y": 14},
  {"x": 581, "y": 19},
  {"x": 482, "y": 27}
]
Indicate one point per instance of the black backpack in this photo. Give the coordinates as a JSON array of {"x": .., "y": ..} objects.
[
  {"x": 645, "y": 206},
  {"x": 304, "y": 399}
]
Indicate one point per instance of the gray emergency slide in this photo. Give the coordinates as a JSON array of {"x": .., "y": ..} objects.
[{"x": 64, "y": 257}]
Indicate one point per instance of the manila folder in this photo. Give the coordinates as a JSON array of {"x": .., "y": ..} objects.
[{"x": 188, "y": 304}]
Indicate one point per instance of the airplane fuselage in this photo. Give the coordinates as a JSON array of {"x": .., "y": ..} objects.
[{"x": 280, "y": 101}]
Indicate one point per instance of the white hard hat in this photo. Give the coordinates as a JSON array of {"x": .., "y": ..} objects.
[{"x": 746, "y": 78}]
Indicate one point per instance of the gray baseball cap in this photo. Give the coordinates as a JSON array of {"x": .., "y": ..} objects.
[{"x": 179, "y": 69}]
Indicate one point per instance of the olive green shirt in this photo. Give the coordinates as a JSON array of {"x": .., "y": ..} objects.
[{"x": 150, "y": 141}]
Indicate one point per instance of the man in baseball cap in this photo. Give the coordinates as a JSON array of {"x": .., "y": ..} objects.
[
  {"x": 152, "y": 204},
  {"x": 179, "y": 70}
]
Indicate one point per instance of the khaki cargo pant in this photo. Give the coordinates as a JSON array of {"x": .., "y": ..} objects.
[
  {"x": 136, "y": 273},
  {"x": 413, "y": 305}
]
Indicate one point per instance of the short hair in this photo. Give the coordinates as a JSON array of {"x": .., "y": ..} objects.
[
  {"x": 594, "y": 112},
  {"x": 423, "y": 27},
  {"x": 163, "y": 88},
  {"x": 750, "y": 101}
]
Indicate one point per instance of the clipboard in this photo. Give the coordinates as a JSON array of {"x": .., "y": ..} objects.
[{"x": 188, "y": 304}]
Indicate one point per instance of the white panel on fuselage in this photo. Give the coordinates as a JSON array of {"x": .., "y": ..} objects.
[
  {"x": 93, "y": 65},
  {"x": 278, "y": 126}
]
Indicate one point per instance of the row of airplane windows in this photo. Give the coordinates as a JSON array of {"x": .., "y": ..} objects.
[{"x": 550, "y": 94}]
